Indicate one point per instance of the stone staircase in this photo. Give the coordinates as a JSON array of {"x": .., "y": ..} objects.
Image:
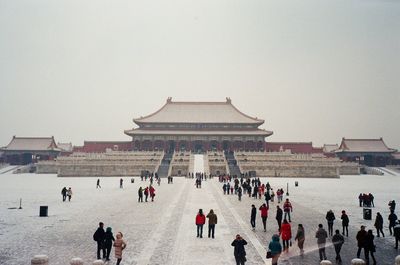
[
  {"x": 163, "y": 169},
  {"x": 232, "y": 163}
]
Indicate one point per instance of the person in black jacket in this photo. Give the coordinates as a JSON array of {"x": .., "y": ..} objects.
[
  {"x": 392, "y": 220},
  {"x": 330, "y": 217},
  {"x": 338, "y": 241},
  {"x": 379, "y": 224},
  {"x": 108, "y": 239},
  {"x": 239, "y": 251},
  {"x": 361, "y": 240},
  {"x": 396, "y": 233},
  {"x": 64, "y": 194},
  {"x": 99, "y": 237},
  {"x": 279, "y": 215},
  {"x": 345, "y": 223},
  {"x": 369, "y": 247},
  {"x": 253, "y": 216}
]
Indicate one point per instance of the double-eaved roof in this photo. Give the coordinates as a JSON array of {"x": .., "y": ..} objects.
[
  {"x": 199, "y": 112},
  {"x": 364, "y": 146},
  {"x": 32, "y": 144}
]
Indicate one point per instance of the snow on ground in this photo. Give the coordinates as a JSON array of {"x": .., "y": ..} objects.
[{"x": 163, "y": 232}]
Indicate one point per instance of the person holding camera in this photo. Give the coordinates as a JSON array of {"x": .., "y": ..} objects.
[{"x": 239, "y": 252}]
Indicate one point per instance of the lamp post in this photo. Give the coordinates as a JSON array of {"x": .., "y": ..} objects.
[{"x": 287, "y": 189}]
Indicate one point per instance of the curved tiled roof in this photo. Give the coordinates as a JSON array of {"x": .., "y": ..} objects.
[
  {"x": 139, "y": 131},
  {"x": 198, "y": 112},
  {"x": 364, "y": 145},
  {"x": 32, "y": 144}
]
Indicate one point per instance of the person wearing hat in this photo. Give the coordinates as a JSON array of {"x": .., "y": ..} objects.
[
  {"x": 108, "y": 241},
  {"x": 361, "y": 240}
]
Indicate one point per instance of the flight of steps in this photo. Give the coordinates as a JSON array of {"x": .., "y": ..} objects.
[
  {"x": 232, "y": 164},
  {"x": 165, "y": 164}
]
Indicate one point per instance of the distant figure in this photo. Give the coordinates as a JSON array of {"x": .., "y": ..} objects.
[
  {"x": 330, "y": 217},
  {"x": 140, "y": 194},
  {"x": 361, "y": 237},
  {"x": 239, "y": 193},
  {"x": 369, "y": 247},
  {"x": 321, "y": 236},
  {"x": 146, "y": 193},
  {"x": 99, "y": 237},
  {"x": 361, "y": 199},
  {"x": 212, "y": 221},
  {"x": 396, "y": 232},
  {"x": 392, "y": 205},
  {"x": 119, "y": 246},
  {"x": 69, "y": 193},
  {"x": 121, "y": 183},
  {"x": 152, "y": 193},
  {"x": 379, "y": 224},
  {"x": 253, "y": 216},
  {"x": 345, "y": 223},
  {"x": 98, "y": 184},
  {"x": 64, "y": 194},
  {"x": 200, "y": 221},
  {"x": 108, "y": 240},
  {"x": 239, "y": 252},
  {"x": 287, "y": 208},
  {"x": 300, "y": 237},
  {"x": 392, "y": 221},
  {"x": 338, "y": 241},
  {"x": 286, "y": 234},
  {"x": 276, "y": 249},
  {"x": 264, "y": 215},
  {"x": 279, "y": 216}
]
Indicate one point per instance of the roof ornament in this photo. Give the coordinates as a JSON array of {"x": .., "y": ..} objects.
[
  {"x": 228, "y": 100},
  {"x": 169, "y": 99}
]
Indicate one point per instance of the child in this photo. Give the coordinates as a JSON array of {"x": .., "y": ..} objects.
[{"x": 119, "y": 245}]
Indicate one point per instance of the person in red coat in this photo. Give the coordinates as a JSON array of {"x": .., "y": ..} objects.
[
  {"x": 152, "y": 193},
  {"x": 286, "y": 234},
  {"x": 264, "y": 215},
  {"x": 200, "y": 221}
]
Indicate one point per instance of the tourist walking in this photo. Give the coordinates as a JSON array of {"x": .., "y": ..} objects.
[
  {"x": 264, "y": 215},
  {"x": 239, "y": 193},
  {"x": 121, "y": 183},
  {"x": 379, "y": 224},
  {"x": 396, "y": 232},
  {"x": 146, "y": 193},
  {"x": 267, "y": 197},
  {"x": 108, "y": 239},
  {"x": 69, "y": 194},
  {"x": 345, "y": 223},
  {"x": 287, "y": 208},
  {"x": 279, "y": 216},
  {"x": 276, "y": 249},
  {"x": 239, "y": 252},
  {"x": 212, "y": 221},
  {"x": 286, "y": 234},
  {"x": 369, "y": 247},
  {"x": 253, "y": 216},
  {"x": 140, "y": 194},
  {"x": 152, "y": 192},
  {"x": 361, "y": 238},
  {"x": 392, "y": 220},
  {"x": 330, "y": 218},
  {"x": 200, "y": 221},
  {"x": 99, "y": 237},
  {"x": 338, "y": 241},
  {"x": 119, "y": 246},
  {"x": 98, "y": 184},
  {"x": 392, "y": 205},
  {"x": 64, "y": 194},
  {"x": 300, "y": 237},
  {"x": 321, "y": 236}
]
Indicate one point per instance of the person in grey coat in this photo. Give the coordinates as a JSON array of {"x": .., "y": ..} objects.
[{"x": 321, "y": 236}]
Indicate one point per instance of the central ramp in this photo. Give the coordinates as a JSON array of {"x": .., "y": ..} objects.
[{"x": 198, "y": 164}]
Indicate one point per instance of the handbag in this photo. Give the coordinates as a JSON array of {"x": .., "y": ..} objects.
[{"x": 269, "y": 254}]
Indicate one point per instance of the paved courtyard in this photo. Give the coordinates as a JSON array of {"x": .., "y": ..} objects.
[{"x": 163, "y": 232}]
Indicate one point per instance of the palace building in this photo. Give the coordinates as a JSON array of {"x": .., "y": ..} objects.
[{"x": 198, "y": 127}]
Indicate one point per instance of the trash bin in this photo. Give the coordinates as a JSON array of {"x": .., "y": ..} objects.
[
  {"x": 296, "y": 184},
  {"x": 43, "y": 211},
  {"x": 367, "y": 214}
]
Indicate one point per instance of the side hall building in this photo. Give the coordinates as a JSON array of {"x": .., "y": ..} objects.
[{"x": 198, "y": 127}]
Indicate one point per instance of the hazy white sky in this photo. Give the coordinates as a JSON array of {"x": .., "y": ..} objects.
[{"x": 315, "y": 70}]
